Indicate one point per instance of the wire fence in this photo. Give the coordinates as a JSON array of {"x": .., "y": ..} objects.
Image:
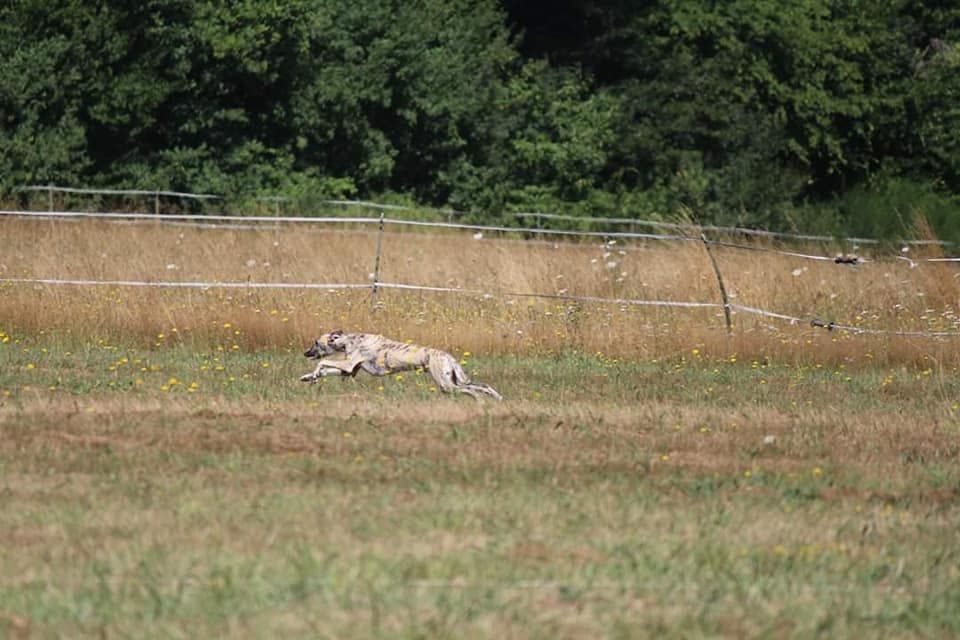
[
  {"x": 254, "y": 222},
  {"x": 686, "y": 234},
  {"x": 450, "y": 214},
  {"x": 741, "y": 231},
  {"x": 728, "y": 306}
]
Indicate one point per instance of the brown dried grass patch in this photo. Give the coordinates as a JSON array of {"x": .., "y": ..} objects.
[{"x": 574, "y": 441}]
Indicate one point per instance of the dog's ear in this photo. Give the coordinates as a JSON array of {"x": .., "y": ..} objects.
[{"x": 335, "y": 338}]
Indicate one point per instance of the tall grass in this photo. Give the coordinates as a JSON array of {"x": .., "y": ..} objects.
[{"x": 888, "y": 294}]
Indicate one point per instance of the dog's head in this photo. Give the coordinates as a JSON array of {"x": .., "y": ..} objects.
[{"x": 325, "y": 345}]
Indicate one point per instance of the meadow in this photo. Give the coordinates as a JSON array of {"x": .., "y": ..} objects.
[{"x": 164, "y": 474}]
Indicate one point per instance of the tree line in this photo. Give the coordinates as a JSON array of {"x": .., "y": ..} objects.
[{"x": 824, "y": 115}]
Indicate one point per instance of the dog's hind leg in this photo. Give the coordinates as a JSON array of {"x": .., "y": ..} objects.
[
  {"x": 483, "y": 388},
  {"x": 450, "y": 377},
  {"x": 469, "y": 391},
  {"x": 463, "y": 381},
  {"x": 442, "y": 368}
]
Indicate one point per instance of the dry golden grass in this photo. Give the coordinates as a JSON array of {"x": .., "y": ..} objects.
[{"x": 886, "y": 295}]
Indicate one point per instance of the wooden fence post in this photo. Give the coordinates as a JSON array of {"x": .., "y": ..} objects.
[
  {"x": 376, "y": 266},
  {"x": 723, "y": 289}
]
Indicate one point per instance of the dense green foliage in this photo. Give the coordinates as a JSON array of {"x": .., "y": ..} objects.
[{"x": 769, "y": 113}]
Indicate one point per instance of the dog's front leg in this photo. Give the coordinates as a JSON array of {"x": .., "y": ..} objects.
[
  {"x": 333, "y": 368},
  {"x": 322, "y": 371},
  {"x": 313, "y": 376}
]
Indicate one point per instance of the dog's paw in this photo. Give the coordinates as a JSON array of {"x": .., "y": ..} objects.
[{"x": 308, "y": 378}]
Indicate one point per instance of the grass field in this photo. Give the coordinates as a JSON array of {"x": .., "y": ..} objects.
[
  {"x": 164, "y": 474},
  {"x": 168, "y": 492}
]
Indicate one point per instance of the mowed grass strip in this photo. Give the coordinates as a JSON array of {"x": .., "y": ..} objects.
[{"x": 604, "y": 497}]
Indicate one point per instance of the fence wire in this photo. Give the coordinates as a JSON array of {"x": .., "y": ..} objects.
[
  {"x": 450, "y": 213},
  {"x": 236, "y": 222},
  {"x": 765, "y": 313}
]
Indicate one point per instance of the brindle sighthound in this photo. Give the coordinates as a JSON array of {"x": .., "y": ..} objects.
[{"x": 380, "y": 356}]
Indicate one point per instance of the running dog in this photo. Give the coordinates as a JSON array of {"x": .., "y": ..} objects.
[{"x": 380, "y": 356}]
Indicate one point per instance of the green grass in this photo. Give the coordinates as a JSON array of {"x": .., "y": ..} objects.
[
  {"x": 688, "y": 379},
  {"x": 601, "y": 499}
]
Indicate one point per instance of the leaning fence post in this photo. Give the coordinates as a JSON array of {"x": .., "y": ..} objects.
[
  {"x": 376, "y": 266},
  {"x": 723, "y": 289},
  {"x": 50, "y": 197}
]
